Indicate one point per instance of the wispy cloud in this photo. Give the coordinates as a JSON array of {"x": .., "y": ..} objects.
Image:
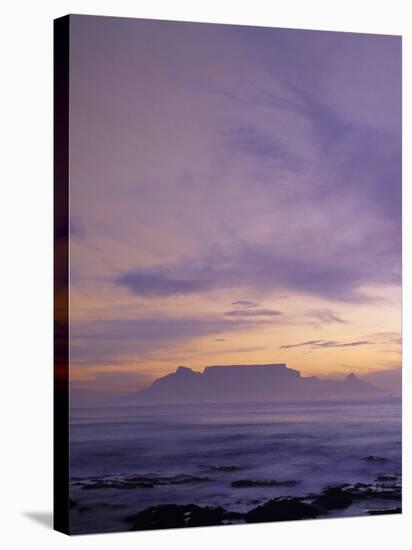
[
  {"x": 245, "y": 303},
  {"x": 326, "y": 316},
  {"x": 319, "y": 344},
  {"x": 262, "y": 145},
  {"x": 253, "y": 313},
  {"x": 106, "y": 340},
  {"x": 263, "y": 270}
]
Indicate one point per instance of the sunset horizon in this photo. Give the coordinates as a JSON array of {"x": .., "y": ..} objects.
[
  {"x": 236, "y": 203},
  {"x": 228, "y": 274}
]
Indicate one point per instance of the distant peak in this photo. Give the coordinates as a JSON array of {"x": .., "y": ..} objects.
[
  {"x": 352, "y": 378},
  {"x": 183, "y": 370}
]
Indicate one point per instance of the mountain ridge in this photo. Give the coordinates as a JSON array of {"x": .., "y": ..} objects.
[{"x": 249, "y": 383}]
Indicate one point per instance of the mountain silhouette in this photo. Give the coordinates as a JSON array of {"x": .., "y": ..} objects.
[{"x": 249, "y": 383}]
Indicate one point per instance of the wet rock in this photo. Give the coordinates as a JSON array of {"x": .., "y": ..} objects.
[
  {"x": 169, "y": 516},
  {"x": 333, "y": 498},
  {"x": 116, "y": 484},
  {"x": 342, "y": 496},
  {"x": 246, "y": 483},
  {"x": 362, "y": 491},
  {"x": 384, "y": 511},
  {"x": 283, "y": 509},
  {"x": 228, "y": 468},
  {"x": 176, "y": 480},
  {"x": 386, "y": 478},
  {"x": 140, "y": 482}
]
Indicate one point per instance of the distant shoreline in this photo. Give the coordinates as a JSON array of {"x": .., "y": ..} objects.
[{"x": 394, "y": 399}]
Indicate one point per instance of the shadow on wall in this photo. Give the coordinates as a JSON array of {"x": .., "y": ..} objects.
[{"x": 42, "y": 518}]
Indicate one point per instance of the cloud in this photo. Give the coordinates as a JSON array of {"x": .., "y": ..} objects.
[
  {"x": 105, "y": 340},
  {"x": 245, "y": 303},
  {"x": 261, "y": 269},
  {"x": 290, "y": 182},
  {"x": 326, "y": 316},
  {"x": 152, "y": 284},
  {"x": 239, "y": 202},
  {"x": 300, "y": 345},
  {"x": 262, "y": 145},
  {"x": 253, "y": 313},
  {"x": 238, "y": 350},
  {"x": 319, "y": 344},
  {"x": 388, "y": 337}
]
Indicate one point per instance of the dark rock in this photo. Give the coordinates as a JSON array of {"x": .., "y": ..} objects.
[
  {"x": 361, "y": 491},
  {"x": 342, "y": 496},
  {"x": 176, "y": 480},
  {"x": 333, "y": 498},
  {"x": 169, "y": 516},
  {"x": 246, "y": 483},
  {"x": 140, "y": 482},
  {"x": 226, "y": 468},
  {"x": 384, "y": 511},
  {"x": 283, "y": 509},
  {"x": 386, "y": 478},
  {"x": 72, "y": 504},
  {"x": 117, "y": 484}
]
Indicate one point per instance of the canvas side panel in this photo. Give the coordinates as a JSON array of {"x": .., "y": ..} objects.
[{"x": 61, "y": 274}]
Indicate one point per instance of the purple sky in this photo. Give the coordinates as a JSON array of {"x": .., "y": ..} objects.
[{"x": 235, "y": 193}]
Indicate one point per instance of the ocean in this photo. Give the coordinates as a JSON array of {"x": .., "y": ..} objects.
[{"x": 126, "y": 459}]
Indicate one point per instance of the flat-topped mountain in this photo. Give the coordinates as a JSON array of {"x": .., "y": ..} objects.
[{"x": 249, "y": 383}]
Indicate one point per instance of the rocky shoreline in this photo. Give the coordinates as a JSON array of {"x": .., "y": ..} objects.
[
  {"x": 278, "y": 509},
  {"x": 383, "y": 496}
]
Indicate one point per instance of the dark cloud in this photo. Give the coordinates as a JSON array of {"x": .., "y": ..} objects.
[
  {"x": 151, "y": 284},
  {"x": 326, "y": 316},
  {"x": 253, "y": 313},
  {"x": 301, "y": 344},
  {"x": 318, "y": 344},
  {"x": 262, "y": 270}
]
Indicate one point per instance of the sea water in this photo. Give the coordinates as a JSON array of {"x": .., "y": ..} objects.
[{"x": 314, "y": 444}]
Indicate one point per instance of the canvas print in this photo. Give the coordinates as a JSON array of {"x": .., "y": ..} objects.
[{"x": 227, "y": 274}]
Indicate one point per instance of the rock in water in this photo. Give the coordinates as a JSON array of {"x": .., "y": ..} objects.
[
  {"x": 283, "y": 509},
  {"x": 170, "y": 516},
  {"x": 333, "y": 498},
  {"x": 246, "y": 483}
]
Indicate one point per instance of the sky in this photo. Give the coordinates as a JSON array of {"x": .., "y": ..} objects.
[{"x": 235, "y": 198}]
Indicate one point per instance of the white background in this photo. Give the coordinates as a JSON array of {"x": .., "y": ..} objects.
[{"x": 26, "y": 273}]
